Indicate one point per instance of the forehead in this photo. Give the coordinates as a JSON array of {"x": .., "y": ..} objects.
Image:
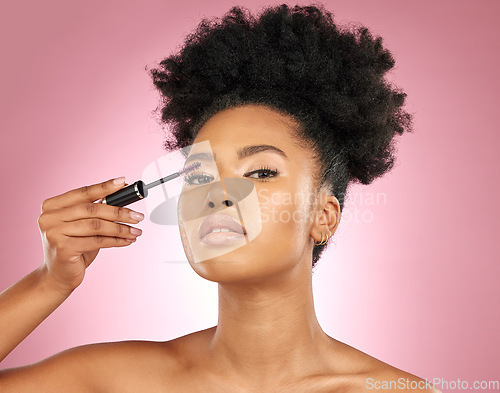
[{"x": 250, "y": 124}]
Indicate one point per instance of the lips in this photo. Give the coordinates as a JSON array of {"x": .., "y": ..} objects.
[{"x": 220, "y": 221}]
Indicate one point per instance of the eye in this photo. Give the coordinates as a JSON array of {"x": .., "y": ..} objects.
[
  {"x": 194, "y": 179},
  {"x": 270, "y": 173}
]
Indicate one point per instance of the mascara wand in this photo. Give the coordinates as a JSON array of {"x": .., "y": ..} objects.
[{"x": 139, "y": 189}]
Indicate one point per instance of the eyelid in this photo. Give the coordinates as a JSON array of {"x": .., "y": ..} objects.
[{"x": 262, "y": 168}]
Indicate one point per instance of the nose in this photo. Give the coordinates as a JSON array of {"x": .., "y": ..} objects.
[
  {"x": 226, "y": 202},
  {"x": 218, "y": 195}
]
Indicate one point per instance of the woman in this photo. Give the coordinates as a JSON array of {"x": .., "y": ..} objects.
[{"x": 292, "y": 104}]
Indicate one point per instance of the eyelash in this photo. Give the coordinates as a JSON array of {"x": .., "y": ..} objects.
[
  {"x": 261, "y": 169},
  {"x": 264, "y": 169}
]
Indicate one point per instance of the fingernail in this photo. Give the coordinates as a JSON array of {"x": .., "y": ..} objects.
[
  {"x": 135, "y": 231},
  {"x": 119, "y": 180},
  {"x": 137, "y": 216}
]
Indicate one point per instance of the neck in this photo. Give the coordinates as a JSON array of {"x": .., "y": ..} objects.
[{"x": 269, "y": 330}]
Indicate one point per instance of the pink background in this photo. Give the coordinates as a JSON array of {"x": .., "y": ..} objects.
[{"x": 411, "y": 280}]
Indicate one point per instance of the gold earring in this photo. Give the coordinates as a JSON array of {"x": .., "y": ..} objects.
[{"x": 322, "y": 241}]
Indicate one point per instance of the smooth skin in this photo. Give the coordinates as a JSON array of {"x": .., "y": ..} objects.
[{"x": 267, "y": 339}]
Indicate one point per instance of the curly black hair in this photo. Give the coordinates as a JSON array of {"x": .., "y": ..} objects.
[{"x": 300, "y": 63}]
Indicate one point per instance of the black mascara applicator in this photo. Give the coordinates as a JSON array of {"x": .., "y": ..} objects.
[{"x": 139, "y": 189}]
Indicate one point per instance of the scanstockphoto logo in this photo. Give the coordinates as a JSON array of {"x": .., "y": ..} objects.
[
  {"x": 359, "y": 207},
  {"x": 402, "y": 384}
]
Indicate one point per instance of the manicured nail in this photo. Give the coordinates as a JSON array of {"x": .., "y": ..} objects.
[
  {"x": 119, "y": 180},
  {"x": 135, "y": 231},
  {"x": 137, "y": 216}
]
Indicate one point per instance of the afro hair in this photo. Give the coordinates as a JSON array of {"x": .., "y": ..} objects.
[{"x": 298, "y": 61}]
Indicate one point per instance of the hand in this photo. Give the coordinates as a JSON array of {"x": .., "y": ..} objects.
[{"x": 74, "y": 229}]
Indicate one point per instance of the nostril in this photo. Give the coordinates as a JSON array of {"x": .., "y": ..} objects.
[
  {"x": 211, "y": 204},
  {"x": 227, "y": 202}
]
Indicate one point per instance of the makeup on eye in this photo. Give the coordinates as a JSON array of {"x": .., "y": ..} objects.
[{"x": 262, "y": 169}]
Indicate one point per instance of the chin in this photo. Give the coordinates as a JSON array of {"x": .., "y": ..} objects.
[
  {"x": 241, "y": 266},
  {"x": 231, "y": 267}
]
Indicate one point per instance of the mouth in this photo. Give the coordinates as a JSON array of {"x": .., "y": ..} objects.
[{"x": 220, "y": 223}]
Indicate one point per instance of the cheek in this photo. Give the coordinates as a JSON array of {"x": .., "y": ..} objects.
[{"x": 285, "y": 214}]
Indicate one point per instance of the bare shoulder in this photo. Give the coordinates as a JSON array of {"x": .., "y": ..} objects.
[
  {"x": 102, "y": 367},
  {"x": 365, "y": 373},
  {"x": 391, "y": 379},
  {"x": 349, "y": 370}
]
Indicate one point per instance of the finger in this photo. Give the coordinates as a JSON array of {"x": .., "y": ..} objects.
[
  {"x": 101, "y": 200},
  {"x": 91, "y": 243},
  {"x": 97, "y": 210},
  {"x": 83, "y": 194},
  {"x": 96, "y": 226}
]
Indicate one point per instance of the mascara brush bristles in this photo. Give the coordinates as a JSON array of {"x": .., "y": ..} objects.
[
  {"x": 187, "y": 169},
  {"x": 190, "y": 168}
]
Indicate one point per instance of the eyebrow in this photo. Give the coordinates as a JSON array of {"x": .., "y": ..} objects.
[{"x": 242, "y": 153}]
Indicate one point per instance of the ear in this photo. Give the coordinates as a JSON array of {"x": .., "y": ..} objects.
[{"x": 326, "y": 217}]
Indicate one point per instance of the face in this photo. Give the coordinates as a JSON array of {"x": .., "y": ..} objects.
[{"x": 284, "y": 206}]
